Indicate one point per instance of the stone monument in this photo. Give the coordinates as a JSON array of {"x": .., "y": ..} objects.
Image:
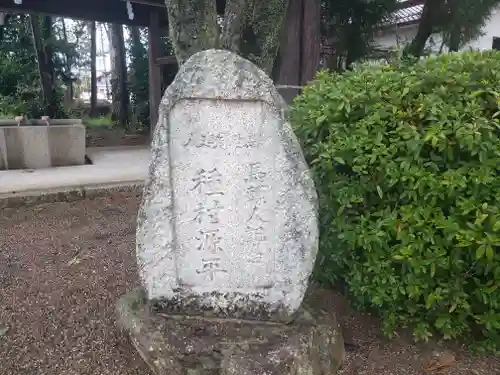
[{"x": 227, "y": 234}]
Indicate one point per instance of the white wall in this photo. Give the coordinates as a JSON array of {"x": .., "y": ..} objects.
[{"x": 398, "y": 37}]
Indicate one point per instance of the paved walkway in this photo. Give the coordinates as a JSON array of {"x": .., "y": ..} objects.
[{"x": 112, "y": 166}]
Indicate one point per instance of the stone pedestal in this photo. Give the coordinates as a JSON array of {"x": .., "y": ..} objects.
[
  {"x": 174, "y": 344},
  {"x": 41, "y": 146}
]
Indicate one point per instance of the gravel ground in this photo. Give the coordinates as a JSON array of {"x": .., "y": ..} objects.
[{"x": 63, "y": 266}]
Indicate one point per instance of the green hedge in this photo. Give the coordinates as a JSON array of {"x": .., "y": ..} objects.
[{"x": 406, "y": 161}]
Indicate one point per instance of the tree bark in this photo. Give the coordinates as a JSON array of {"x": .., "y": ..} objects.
[
  {"x": 42, "y": 41},
  {"x": 289, "y": 56},
  {"x": 93, "y": 68},
  {"x": 68, "y": 79},
  {"x": 454, "y": 26},
  {"x": 193, "y": 26},
  {"x": 428, "y": 22},
  {"x": 119, "y": 90},
  {"x": 104, "y": 30},
  {"x": 135, "y": 35},
  {"x": 454, "y": 43},
  {"x": 252, "y": 28}
]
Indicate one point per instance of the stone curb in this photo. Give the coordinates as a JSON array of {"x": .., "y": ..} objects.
[{"x": 67, "y": 194}]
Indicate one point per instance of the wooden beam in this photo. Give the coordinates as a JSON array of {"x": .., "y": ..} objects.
[
  {"x": 159, "y": 4},
  {"x": 154, "y": 69},
  {"x": 110, "y": 11}
]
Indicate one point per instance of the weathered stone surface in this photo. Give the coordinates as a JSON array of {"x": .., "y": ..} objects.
[
  {"x": 196, "y": 345},
  {"x": 228, "y": 221}
]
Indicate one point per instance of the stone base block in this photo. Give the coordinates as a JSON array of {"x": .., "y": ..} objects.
[
  {"x": 35, "y": 147},
  {"x": 199, "y": 345}
]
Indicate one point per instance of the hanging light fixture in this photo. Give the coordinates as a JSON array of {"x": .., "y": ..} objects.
[
  {"x": 18, "y": 2},
  {"x": 130, "y": 11}
]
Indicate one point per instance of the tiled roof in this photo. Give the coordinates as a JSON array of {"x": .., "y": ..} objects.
[{"x": 406, "y": 15}]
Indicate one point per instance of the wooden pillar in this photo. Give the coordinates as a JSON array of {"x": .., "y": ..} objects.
[
  {"x": 154, "y": 42},
  {"x": 311, "y": 40},
  {"x": 289, "y": 58}
]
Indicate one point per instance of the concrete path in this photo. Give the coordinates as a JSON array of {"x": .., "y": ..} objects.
[{"x": 112, "y": 166}]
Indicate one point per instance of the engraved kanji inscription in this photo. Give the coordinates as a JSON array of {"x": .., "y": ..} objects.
[
  {"x": 205, "y": 140},
  {"x": 211, "y": 266},
  {"x": 209, "y": 240},
  {"x": 204, "y": 181},
  {"x": 245, "y": 143},
  {"x": 207, "y": 212},
  {"x": 255, "y": 191},
  {"x": 255, "y": 175}
]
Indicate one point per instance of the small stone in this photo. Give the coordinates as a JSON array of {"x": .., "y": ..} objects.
[{"x": 4, "y": 330}]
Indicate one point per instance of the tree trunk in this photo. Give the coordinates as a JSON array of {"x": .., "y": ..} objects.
[
  {"x": 138, "y": 76},
  {"x": 252, "y": 28},
  {"x": 288, "y": 71},
  {"x": 135, "y": 35},
  {"x": 93, "y": 68},
  {"x": 428, "y": 21},
  {"x": 454, "y": 43},
  {"x": 311, "y": 40},
  {"x": 69, "y": 79},
  {"x": 41, "y": 28},
  {"x": 119, "y": 90},
  {"x": 102, "y": 30},
  {"x": 193, "y": 26},
  {"x": 454, "y": 26}
]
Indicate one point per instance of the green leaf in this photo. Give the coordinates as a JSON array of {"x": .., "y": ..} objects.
[
  {"x": 490, "y": 253},
  {"x": 453, "y": 307},
  {"x": 379, "y": 191},
  {"x": 339, "y": 160},
  {"x": 429, "y": 301},
  {"x": 496, "y": 226},
  {"x": 491, "y": 289},
  {"x": 441, "y": 321},
  {"x": 480, "y": 252},
  {"x": 320, "y": 119}
]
